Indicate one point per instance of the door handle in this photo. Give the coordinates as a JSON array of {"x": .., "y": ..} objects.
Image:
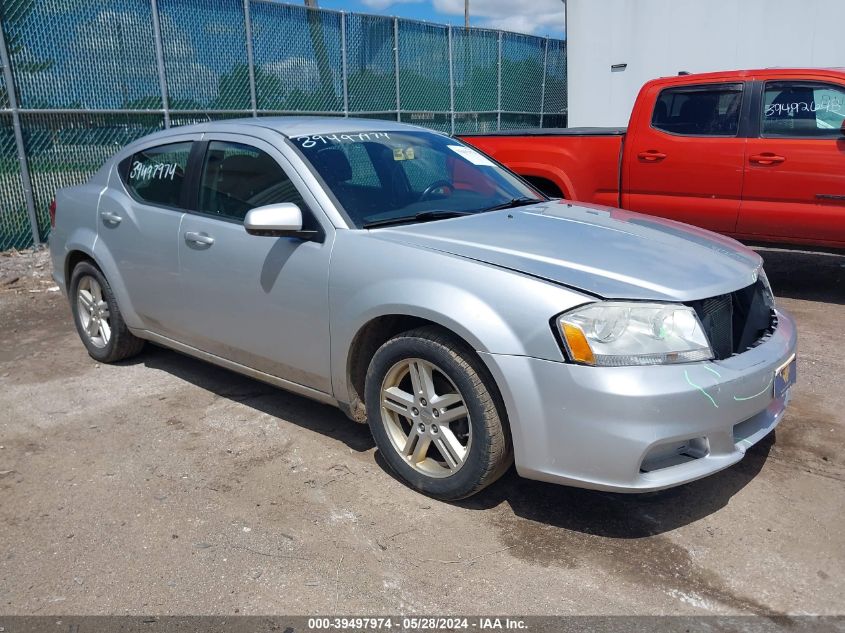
[
  {"x": 203, "y": 239},
  {"x": 651, "y": 156},
  {"x": 766, "y": 158},
  {"x": 110, "y": 217}
]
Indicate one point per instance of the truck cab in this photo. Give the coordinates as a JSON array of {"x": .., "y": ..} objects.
[{"x": 758, "y": 155}]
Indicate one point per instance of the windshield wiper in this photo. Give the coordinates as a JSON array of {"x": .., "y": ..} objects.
[
  {"x": 423, "y": 216},
  {"x": 513, "y": 203}
]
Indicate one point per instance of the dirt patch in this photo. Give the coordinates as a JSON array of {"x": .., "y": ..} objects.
[
  {"x": 654, "y": 561},
  {"x": 810, "y": 439},
  {"x": 26, "y": 271}
]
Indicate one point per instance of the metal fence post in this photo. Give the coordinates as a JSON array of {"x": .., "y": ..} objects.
[
  {"x": 451, "y": 86},
  {"x": 26, "y": 180},
  {"x": 343, "y": 63},
  {"x": 499, "y": 85},
  {"x": 162, "y": 77},
  {"x": 543, "y": 84},
  {"x": 396, "y": 66},
  {"x": 253, "y": 101}
]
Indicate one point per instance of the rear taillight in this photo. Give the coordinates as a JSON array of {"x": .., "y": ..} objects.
[{"x": 53, "y": 213}]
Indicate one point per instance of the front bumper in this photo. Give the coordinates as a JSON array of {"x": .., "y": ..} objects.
[{"x": 638, "y": 429}]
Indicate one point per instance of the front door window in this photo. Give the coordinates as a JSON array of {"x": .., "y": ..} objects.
[
  {"x": 802, "y": 110},
  {"x": 236, "y": 178}
]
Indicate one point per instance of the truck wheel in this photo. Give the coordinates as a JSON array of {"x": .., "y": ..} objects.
[
  {"x": 97, "y": 317},
  {"x": 433, "y": 414}
]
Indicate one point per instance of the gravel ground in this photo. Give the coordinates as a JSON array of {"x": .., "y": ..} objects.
[
  {"x": 26, "y": 271},
  {"x": 165, "y": 485}
]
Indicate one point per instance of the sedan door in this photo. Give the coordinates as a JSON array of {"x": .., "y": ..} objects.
[
  {"x": 686, "y": 163},
  {"x": 261, "y": 302},
  {"x": 138, "y": 222},
  {"x": 795, "y": 173}
]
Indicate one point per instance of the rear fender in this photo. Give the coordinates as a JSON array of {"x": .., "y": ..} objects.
[
  {"x": 104, "y": 259},
  {"x": 549, "y": 172},
  {"x": 76, "y": 211}
]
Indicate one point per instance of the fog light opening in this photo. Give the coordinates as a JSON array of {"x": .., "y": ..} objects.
[{"x": 674, "y": 453}]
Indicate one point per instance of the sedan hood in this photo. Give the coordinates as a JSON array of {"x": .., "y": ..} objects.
[{"x": 610, "y": 253}]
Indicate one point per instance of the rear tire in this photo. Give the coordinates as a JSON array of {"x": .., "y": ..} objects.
[
  {"x": 432, "y": 409},
  {"x": 97, "y": 316}
]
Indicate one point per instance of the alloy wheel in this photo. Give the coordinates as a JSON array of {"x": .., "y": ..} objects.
[
  {"x": 426, "y": 417},
  {"x": 93, "y": 311}
]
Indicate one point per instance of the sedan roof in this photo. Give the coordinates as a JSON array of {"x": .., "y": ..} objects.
[{"x": 292, "y": 126}]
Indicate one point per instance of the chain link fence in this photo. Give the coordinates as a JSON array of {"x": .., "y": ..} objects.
[{"x": 90, "y": 76}]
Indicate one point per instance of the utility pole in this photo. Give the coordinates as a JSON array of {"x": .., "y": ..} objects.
[
  {"x": 466, "y": 14},
  {"x": 318, "y": 42}
]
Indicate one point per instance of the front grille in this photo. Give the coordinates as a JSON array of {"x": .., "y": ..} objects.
[
  {"x": 736, "y": 322},
  {"x": 716, "y": 316}
]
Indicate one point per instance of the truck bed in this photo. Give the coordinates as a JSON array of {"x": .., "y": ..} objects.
[
  {"x": 555, "y": 131},
  {"x": 573, "y": 163}
]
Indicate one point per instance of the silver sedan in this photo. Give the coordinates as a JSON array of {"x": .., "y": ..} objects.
[{"x": 424, "y": 289}]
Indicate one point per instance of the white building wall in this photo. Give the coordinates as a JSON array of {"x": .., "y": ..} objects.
[{"x": 656, "y": 38}]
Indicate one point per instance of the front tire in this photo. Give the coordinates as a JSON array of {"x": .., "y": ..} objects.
[
  {"x": 434, "y": 414},
  {"x": 97, "y": 317}
]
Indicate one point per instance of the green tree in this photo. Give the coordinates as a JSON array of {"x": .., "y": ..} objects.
[
  {"x": 13, "y": 13},
  {"x": 269, "y": 91},
  {"x": 233, "y": 90}
]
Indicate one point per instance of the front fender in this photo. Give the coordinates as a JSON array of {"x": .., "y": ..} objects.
[
  {"x": 454, "y": 308},
  {"x": 495, "y": 310}
]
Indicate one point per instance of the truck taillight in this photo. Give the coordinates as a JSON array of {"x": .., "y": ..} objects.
[{"x": 53, "y": 213}]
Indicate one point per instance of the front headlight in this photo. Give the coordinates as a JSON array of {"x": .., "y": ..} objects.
[{"x": 614, "y": 334}]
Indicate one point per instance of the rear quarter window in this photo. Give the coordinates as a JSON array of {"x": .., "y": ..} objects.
[{"x": 157, "y": 174}]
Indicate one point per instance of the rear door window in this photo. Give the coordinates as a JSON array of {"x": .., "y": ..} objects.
[
  {"x": 802, "y": 110},
  {"x": 710, "y": 110},
  {"x": 157, "y": 175}
]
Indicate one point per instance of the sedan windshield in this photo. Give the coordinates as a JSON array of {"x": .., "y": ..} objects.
[{"x": 384, "y": 178}]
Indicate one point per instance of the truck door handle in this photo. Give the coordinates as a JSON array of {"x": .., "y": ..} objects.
[
  {"x": 651, "y": 156},
  {"x": 110, "y": 217},
  {"x": 202, "y": 239},
  {"x": 766, "y": 158}
]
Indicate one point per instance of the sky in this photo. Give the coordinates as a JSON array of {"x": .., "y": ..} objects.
[{"x": 536, "y": 17}]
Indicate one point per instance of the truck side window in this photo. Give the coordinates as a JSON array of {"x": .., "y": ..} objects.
[
  {"x": 710, "y": 110},
  {"x": 237, "y": 178},
  {"x": 156, "y": 175},
  {"x": 803, "y": 110}
]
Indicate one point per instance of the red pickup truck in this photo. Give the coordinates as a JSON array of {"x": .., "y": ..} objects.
[{"x": 756, "y": 154}]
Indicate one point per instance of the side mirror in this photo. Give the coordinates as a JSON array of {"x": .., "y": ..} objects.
[
  {"x": 842, "y": 129},
  {"x": 276, "y": 220}
]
